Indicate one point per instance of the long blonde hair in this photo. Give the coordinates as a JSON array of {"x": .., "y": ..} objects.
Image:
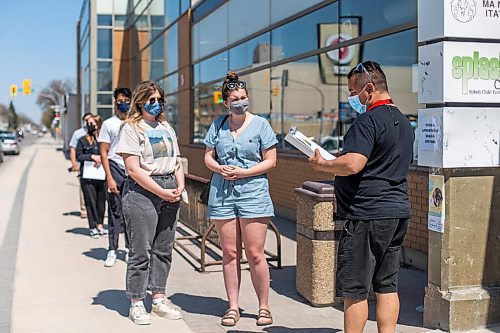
[
  {"x": 98, "y": 122},
  {"x": 139, "y": 98}
]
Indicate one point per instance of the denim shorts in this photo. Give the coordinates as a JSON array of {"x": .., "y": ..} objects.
[
  {"x": 369, "y": 255},
  {"x": 245, "y": 198}
]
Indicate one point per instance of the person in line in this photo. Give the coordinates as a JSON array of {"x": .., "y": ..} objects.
[
  {"x": 115, "y": 170},
  {"x": 372, "y": 195},
  {"x": 93, "y": 190},
  {"x": 239, "y": 202},
  {"x": 75, "y": 166},
  {"x": 155, "y": 181}
]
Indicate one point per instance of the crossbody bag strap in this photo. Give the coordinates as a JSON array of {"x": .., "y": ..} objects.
[{"x": 217, "y": 133}]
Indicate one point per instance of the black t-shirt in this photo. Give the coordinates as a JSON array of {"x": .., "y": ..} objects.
[{"x": 379, "y": 191}]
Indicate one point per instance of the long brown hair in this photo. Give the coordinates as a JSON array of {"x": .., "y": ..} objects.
[
  {"x": 92, "y": 138},
  {"x": 139, "y": 98}
]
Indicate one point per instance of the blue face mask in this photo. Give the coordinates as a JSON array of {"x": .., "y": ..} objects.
[
  {"x": 413, "y": 124},
  {"x": 123, "y": 107},
  {"x": 153, "y": 109},
  {"x": 356, "y": 103}
]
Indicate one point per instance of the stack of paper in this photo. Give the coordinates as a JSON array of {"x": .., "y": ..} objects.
[
  {"x": 90, "y": 171},
  {"x": 305, "y": 144}
]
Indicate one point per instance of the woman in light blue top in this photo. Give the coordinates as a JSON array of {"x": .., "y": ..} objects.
[{"x": 241, "y": 148}]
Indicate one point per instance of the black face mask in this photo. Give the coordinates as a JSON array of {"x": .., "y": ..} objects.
[{"x": 90, "y": 129}]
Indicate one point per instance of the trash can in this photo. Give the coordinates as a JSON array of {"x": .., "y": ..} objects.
[{"x": 317, "y": 240}]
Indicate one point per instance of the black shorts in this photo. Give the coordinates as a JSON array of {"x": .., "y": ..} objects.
[{"x": 369, "y": 255}]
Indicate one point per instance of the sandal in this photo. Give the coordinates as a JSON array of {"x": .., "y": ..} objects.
[
  {"x": 264, "y": 317},
  {"x": 230, "y": 318}
]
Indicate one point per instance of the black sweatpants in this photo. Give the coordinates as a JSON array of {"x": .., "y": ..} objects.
[
  {"x": 116, "y": 223},
  {"x": 95, "y": 200}
]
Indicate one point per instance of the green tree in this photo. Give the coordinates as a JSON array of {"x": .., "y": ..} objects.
[
  {"x": 13, "y": 120},
  {"x": 47, "y": 117}
]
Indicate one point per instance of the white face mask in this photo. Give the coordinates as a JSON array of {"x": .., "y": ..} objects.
[{"x": 356, "y": 104}]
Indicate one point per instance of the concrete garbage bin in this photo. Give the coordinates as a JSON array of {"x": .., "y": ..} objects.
[{"x": 317, "y": 240}]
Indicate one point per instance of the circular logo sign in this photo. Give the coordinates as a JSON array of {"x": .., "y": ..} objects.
[
  {"x": 463, "y": 10},
  {"x": 344, "y": 55}
]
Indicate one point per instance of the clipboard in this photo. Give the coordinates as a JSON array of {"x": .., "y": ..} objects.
[
  {"x": 297, "y": 139},
  {"x": 91, "y": 172}
]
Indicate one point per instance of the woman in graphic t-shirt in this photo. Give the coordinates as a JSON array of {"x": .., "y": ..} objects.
[{"x": 151, "y": 197}]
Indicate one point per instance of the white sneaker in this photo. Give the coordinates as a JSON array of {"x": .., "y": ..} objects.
[
  {"x": 167, "y": 310},
  {"x": 139, "y": 315},
  {"x": 94, "y": 233},
  {"x": 126, "y": 255},
  {"x": 103, "y": 232},
  {"x": 110, "y": 259}
]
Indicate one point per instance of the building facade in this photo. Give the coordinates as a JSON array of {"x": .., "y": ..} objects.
[{"x": 293, "y": 54}]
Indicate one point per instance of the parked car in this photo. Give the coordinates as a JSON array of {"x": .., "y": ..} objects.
[{"x": 9, "y": 143}]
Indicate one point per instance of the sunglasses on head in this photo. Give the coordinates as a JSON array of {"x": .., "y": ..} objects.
[
  {"x": 153, "y": 100},
  {"x": 360, "y": 68},
  {"x": 233, "y": 85}
]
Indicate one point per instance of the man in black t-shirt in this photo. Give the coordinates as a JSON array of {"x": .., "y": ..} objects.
[{"x": 371, "y": 194}]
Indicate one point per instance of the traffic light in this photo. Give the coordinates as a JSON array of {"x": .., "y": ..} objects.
[
  {"x": 13, "y": 90},
  {"x": 217, "y": 97},
  {"x": 26, "y": 87}
]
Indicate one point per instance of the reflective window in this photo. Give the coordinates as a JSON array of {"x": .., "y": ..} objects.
[
  {"x": 157, "y": 48},
  {"x": 120, "y": 21},
  {"x": 207, "y": 107},
  {"x": 301, "y": 35},
  {"x": 214, "y": 67},
  {"x": 256, "y": 51},
  {"x": 303, "y": 100},
  {"x": 141, "y": 22},
  {"x": 156, "y": 21},
  {"x": 104, "y": 75},
  {"x": 184, "y": 6},
  {"x": 172, "y": 111},
  {"x": 213, "y": 31},
  {"x": 204, "y": 8},
  {"x": 247, "y": 17},
  {"x": 171, "y": 83},
  {"x": 196, "y": 74},
  {"x": 104, "y": 43},
  {"x": 104, "y": 99},
  {"x": 281, "y": 9},
  {"x": 156, "y": 70},
  {"x": 385, "y": 14},
  {"x": 105, "y": 113},
  {"x": 172, "y": 60},
  {"x": 171, "y": 11},
  {"x": 104, "y": 20}
]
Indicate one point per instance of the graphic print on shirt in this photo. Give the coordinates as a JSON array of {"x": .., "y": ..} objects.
[{"x": 158, "y": 140}]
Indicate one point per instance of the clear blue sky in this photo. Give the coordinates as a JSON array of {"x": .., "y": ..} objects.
[{"x": 37, "y": 42}]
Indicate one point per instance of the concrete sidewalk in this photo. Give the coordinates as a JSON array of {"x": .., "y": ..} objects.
[{"x": 61, "y": 285}]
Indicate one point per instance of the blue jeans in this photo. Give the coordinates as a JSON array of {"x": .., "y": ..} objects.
[{"x": 150, "y": 225}]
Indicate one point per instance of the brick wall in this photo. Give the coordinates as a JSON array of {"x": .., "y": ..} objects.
[{"x": 418, "y": 185}]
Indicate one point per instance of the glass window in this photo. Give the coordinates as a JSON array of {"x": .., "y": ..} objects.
[
  {"x": 214, "y": 67},
  {"x": 303, "y": 101},
  {"x": 259, "y": 91},
  {"x": 196, "y": 74},
  {"x": 173, "y": 49},
  {"x": 171, "y": 11},
  {"x": 370, "y": 18},
  {"x": 105, "y": 113},
  {"x": 184, "y": 6},
  {"x": 120, "y": 7},
  {"x": 105, "y": 20},
  {"x": 157, "y": 21},
  {"x": 104, "y": 6},
  {"x": 172, "y": 111},
  {"x": 104, "y": 75},
  {"x": 247, "y": 17},
  {"x": 120, "y": 21},
  {"x": 156, "y": 70},
  {"x": 104, "y": 43},
  {"x": 281, "y": 9},
  {"x": 206, "y": 109},
  {"x": 213, "y": 31},
  {"x": 301, "y": 35},
  {"x": 195, "y": 42},
  {"x": 104, "y": 99},
  {"x": 157, "y": 49},
  {"x": 204, "y": 8},
  {"x": 254, "y": 52},
  {"x": 141, "y": 23},
  {"x": 171, "y": 83}
]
